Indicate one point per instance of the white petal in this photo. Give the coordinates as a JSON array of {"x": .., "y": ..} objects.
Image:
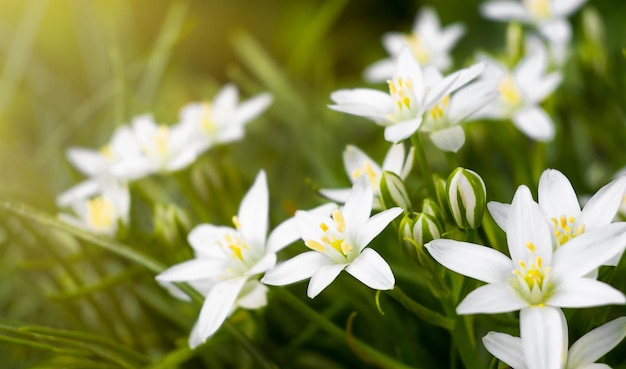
[
  {"x": 324, "y": 276},
  {"x": 375, "y": 225},
  {"x": 192, "y": 270},
  {"x": 469, "y": 99},
  {"x": 544, "y": 337},
  {"x": 556, "y": 195},
  {"x": 253, "y": 212},
  {"x": 491, "y": 299},
  {"x": 596, "y": 343},
  {"x": 217, "y": 305},
  {"x": 526, "y": 223},
  {"x": 203, "y": 239},
  {"x": 499, "y": 212},
  {"x": 478, "y": 262},
  {"x": 355, "y": 160},
  {"x": 584, "y": 292},
  {"x": 506, "y": 348},
  {"x": 287, "y": 232},
  {"x": 296, "y": 269},
  {"x": 339, "y": 195},
  {"x": 452, "y": 83},
  {"x": 588, "y": 251},
  {"x": 558, "y": 31},
  {"x": 449, "y": 139},
  {"x": 195, "y": 339},
  {"x": 89, "y": 162},
  {"x": 542, "y": 88},
  {"x": 563, "y": 8},
  {"x": 535, "y": 123},
  {"x": 79, "y": 192},
  {"x": 251, "y": 108},
  {"x": 504, "y": 11},
  {"x": 253, "y": 295},
  {"x": 380, "y": 71},
  {"x": 409, "y": 68},
  {"x": 602, "y": 207},
  {"x": 401, "y": 131},
  {"x": 395, "y": 159},
  {"x": 358, "y": 207},
  {"x": 449, "y": 37},
  {"x": 363, "y": 102},
  {"x": 394, "y": 43},
  {"x": 267, "y": 262},
  {"x": 371, "y": 269},
  {"x": 224, "y": 104}
]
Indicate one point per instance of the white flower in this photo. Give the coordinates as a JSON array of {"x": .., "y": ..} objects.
[
  {"x": 558, "y": 200},
  {"x": 163, "y": 148},
  {"x": 547, "y": 15},
  {"x": 357, "y": 163},
  {"x": 227, "y": 259},
  {"x": 402, "y": 110},
  {"x": 429, "y": 43},
  {"x": 534, "y": 275},
  {"x": 521, "y": 92},
  {"x": 224, "y": 119},
  {"x": 339, "y": 242},
  {"x": 443, "y": 121},
  {"x": 99, "y": 205},
  {"x": 525, "y": 352}
]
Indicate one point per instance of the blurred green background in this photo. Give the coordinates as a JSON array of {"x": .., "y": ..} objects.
[{"x": 71, "y": 71}]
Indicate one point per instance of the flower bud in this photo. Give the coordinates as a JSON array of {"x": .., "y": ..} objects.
[
  {"x": 393, "y": 192},
  {"x": 405, "y": 232},
  {"x": 171, "y": 224},
  {"x": 431, "y": 208},
  {"x": 425, "y": 229},
  {"x": 467, "y": 197}
]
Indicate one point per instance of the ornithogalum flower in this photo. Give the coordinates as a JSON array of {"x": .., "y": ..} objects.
[
  {"x": 429, "y": 43},
  {"x": 222, "y": 120},
  {"x": 528, "y": 352},
  {"x": 558, "y": 200},
  {"x": 521, "y": 91},
  {"x": 357, "y": 163},
  {"x": 534, "y": 275},
  {"x": 228, "y": 258},
  {"x": 338, "y": 242},
  {"x": 98, "y": 205},
  {"x": 402, "y": 110}
]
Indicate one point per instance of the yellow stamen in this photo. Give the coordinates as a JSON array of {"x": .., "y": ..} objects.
[
  {"x": 340, "y": 223},
  {"x": 236, "y": 222},
  {"x": 324, "y": 227},
  {"x": 531, "y": 246},
  {"x": 314, "y": 245},
  {"x": 418, "y": 48},
  {"x": 206, "y": 120},
  {"x": 101, "y": 213},
  {"x": 107, "y": 152},
  {"x": 508, "y": 89}
]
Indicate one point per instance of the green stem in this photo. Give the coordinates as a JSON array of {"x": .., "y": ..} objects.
[
  {"x": 421, "y": 311},
  {"x": 420, "y": 157},
  {"x": 462, "y": 337},
  {"x": 378, "y": 358}
]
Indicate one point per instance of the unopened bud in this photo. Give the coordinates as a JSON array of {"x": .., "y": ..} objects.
[
  {"x": 431, "y": 208},
  {"x": 467, "y": 197},
  {"x": 393, "y": 192},
  {"x": 425, "y": 229}
]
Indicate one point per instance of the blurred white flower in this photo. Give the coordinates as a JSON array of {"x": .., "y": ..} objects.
[
  {"x": 338, "y": 242},
  {"x": 98, "y": 205},
  {"x": 521, "y": 91},
  {"x": 429, "y": 43},
  {"x": 357, "y": 163},
  {"x": 529, "y": 351},
  {"x": 222, "y": 120},
  {"x": 401, "y": 111}
]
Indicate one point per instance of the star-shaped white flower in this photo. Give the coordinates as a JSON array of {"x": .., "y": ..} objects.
[
  {"x": 357, "y": 163},
  {"x": 339, "y": 242},
  {"x": 429, "y": 43},
  {"x": 534, "y": 274},
  {"x": 227, "y": 259},
  {"x": 401, "y": 111},
  {"x": 529, "y": 350},
  {"x": 558, "y": 200},
  {"x": 521, "y": 91},
  {"x": 222, "y": 120}
]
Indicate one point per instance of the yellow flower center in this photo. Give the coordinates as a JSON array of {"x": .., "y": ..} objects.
[
  {"x": 369, "y": 171},
  {"x": 418, "y": 48},
  {"x": 159, "y": 144},
  {"x": 538, "y": 8},
  {"x": 333, "y": 238},
  {"x": 439, "y": 110},
  {"x": 565, "y": 229},
  {"x": 206, "y": 120},
  {"x": 532, "y": 278},
  {"x": 101, "y": 214},
  {"x": 509, "y": 91},
  {"x": 401, "y": 91},
  {"x": 107, "y": 153}
]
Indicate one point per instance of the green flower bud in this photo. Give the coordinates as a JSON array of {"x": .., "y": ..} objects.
[
  {"x": 171, "y": 224},
  {"x": 405, "y": 232},
  {"x": 515, "y": 42},
  {"x": 467, "y": 197},
  {"x": 393, "y": 192},
  {"x": 433, "y": 209},
  {"x": 425, "y": 229}
]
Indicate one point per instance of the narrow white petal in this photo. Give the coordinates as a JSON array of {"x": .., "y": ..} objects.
[
  {"x": 499, "y": 212},
  {"x": 296, "y": 269},
  {"x": 375, "y": 225},
  {"x": 563, "y": 8},
  {"x": 217, "y": 305},
  {"x": 557, "y": 31},
  {"x": 544, "y": 337},
  {"x": 478, "y": 262},
  {"x": 596, "y": 343},
  {"x": 584, "y": 292},
  {"x": 449, "y": 36},
  {"x": 89, "y": 162},
  {"x": 203, "y": 239},
  {"x": 504, "y": 11},
  {"x": 380, "y": 71},
  {"x": 339, "y": 195},
  {"x": 195, "y": 339},
  {"x": 542, "y": 87},
  {"x": 449, "y": 139},
  {"x": 253, "y": 295},
  {"x": 267, "y": 262},
  {"x": 393, "y": 42},
  {"x": 402, "y": 130},
  {"x": 588, "y": 251},
  {"x": 506, "y": 348},
  {"x": 535, "y": 123},
  {"x": 358, "y": 207},
  {"x": 363, "y": 102},
  {"x": 491, "y": 299},
  {"x": 288, "y": 232},
  {"x": 253, "y": 212},
  {"x": 192, "y": 270},
  {"x": 79, "y": 192},
  {"x": 469, "y": 99},
  {"x": 324, "y": 276},
  {"x": 602, "y": 207},
  {"x": 556, "y": 195},
  {"x": 395, "y": 159},
  {"x": 355, "y": 160},
  {"x": 251, "y": 108},
  {"x": 371, "y": 269},
  {"x": 408, "y": 67}
]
